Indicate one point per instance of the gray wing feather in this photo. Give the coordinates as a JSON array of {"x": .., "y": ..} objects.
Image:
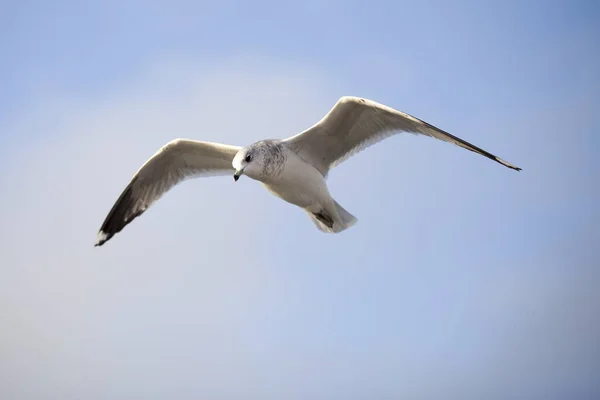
[
  {"x": 354, "y": 123},
  {"x": 178, "y": 160}
]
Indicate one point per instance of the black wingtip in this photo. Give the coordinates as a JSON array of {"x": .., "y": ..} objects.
[
  {"x": 102, "y": 238},
  {"x": 507, "y": 164},
  {"x": 122, "y": 213}
]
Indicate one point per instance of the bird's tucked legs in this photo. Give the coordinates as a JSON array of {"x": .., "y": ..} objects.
[{"x": 325, "y": 219}]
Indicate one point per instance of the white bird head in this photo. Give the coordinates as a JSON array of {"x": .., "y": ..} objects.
[
  {"x": 248, "y": 161},
  {"x": 260, "y": 160}
]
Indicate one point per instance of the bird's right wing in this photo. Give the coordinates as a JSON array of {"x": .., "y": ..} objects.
[
  {"x": 176, "y": 161},
  {"x": 355, "y": 123}
]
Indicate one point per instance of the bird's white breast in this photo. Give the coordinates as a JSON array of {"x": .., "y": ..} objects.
[{"x": 299, "y": 183}]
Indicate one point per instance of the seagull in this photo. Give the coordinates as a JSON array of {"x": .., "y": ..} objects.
[{"x": 294, "y": 169}]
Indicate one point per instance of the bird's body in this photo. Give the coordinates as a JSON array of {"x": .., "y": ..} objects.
[
  {"x": 297, "y": 182},
  {"x": 302, "y": 185},
  {"x": 294, "y": 169}
]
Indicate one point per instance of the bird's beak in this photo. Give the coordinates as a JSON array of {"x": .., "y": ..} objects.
[{"x": 237, "y": 174}]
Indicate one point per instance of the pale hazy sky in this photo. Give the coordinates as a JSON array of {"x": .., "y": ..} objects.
[{"x": 462, "y": 279}]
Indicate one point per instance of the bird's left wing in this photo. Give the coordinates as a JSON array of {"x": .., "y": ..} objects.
[
  {"x": 174, "y": 162},
  {"x": 354, "y": 123}
]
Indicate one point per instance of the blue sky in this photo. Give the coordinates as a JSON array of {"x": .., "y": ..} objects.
[{"x": 462, "y": 279}]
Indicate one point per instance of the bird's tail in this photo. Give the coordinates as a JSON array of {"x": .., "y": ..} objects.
[{"x": 329, "y": 224}]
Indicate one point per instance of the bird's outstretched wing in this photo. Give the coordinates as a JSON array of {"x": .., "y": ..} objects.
[
  {"x": 174, "y": 162},
  {"x": 354, "y": 123}
]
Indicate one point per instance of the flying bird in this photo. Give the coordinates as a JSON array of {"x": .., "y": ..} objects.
[{"x": 294, "y": 169}]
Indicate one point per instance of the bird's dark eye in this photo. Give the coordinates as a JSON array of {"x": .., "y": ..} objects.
[{"x": 248, "y": 158}]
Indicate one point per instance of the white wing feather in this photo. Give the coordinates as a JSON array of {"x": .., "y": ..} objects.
[
  {"x": 178, "y": 160},
  {"x": 354, "y": 123}
]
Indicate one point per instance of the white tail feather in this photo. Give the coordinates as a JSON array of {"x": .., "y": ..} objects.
[{"x": 345, "y": 220}]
